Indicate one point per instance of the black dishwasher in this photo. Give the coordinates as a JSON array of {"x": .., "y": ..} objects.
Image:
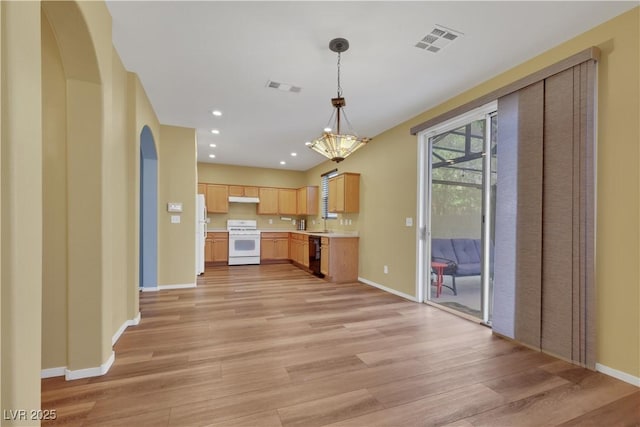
[{"x": 314, "y": 255}]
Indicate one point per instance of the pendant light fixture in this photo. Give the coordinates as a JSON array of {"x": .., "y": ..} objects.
[{"x": 334, "y": 144}]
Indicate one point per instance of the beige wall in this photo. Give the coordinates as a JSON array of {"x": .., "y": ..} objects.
[
  {"x": 388, "y": 188},
  {"x": 177, "y": 183},
  {"x": 54, "y": 200},
  {"x": 117, "y": 154},
  {"x": 21, "y": 206}
]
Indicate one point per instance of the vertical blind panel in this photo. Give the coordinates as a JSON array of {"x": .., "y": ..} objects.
[
  {"x": 588, "y": 226},
  {"x": 558, "y": 216},
  {"x": 529, "y": 211}
]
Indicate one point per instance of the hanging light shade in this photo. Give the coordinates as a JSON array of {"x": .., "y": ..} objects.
[{"x": 333, "y": 143}]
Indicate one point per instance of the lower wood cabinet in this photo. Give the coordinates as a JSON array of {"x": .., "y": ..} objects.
[
  {"x": 274, "y": 246},
  {"x": 299, "y": 249},
  {"x": 216, "y": 247},
  {"x": 339, "y": 259}
]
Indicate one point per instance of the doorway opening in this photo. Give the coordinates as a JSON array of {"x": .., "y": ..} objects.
[
  {"x": 458, "y": 175},
  {"x": 148, "y": 211}
]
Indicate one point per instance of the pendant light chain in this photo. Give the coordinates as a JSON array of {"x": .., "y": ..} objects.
[{"x": 339, "y": 87}]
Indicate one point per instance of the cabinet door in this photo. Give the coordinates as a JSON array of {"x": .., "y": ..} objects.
[
  {"x": 236, "y": 190},
  {"x": 217, "y": 198},
  {"x": 281, "y": 249},
  {"x": 305, "y": 253},
  {"x": 208, "y": 250},
  {"x": 202, "y": 188},
  {"x": 287, "y": 201},
  {"x": 324, "y": 257},
  {"x": 340, "y": 193},
  {"x": 251, "y": 191},
  {"x": 301, "y": 201},
  {"x": 333, "y": 200},
  {"x": 268, "y": 201},
  {"x": 267, "y": 249},
  {"x": 220, "y": 249}
]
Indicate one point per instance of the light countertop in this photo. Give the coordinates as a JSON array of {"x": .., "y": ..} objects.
[{"x": 331, "y": 234}]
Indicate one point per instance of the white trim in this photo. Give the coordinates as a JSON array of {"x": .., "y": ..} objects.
[
  {"x": 52, "y": 372},
  {"x": 460, "y": 120},
  {"x": 390, "y": 290},
  {"x": 127, "y": 323},
  {"x": 622, "y": 376},
  {"x": 177, "y": 286},
  {"x": 90, "y": 372},
  {"x": 149, "y": 288}
]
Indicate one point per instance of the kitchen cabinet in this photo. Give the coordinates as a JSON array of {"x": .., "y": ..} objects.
[
  {"x": 307, "y": 201},
  {"x": 202, "y": 189},
  {"x": 324, "y": 257},
  {"x": 274, "y": 246},
  {"x": 344, "y": 193},
  {"x": 287, "y": 201},
  {"x": 341, "y": 264},
  {"x": 243, "y": 191},
  {"x": 299, "y": 249},
  {"x": 268, "y": 201},
  {"x": 216, "y": 247},
  {"x": 217, "y": 198}
]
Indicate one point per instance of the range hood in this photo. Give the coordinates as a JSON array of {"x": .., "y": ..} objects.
[{"x": 236, "y": 199}]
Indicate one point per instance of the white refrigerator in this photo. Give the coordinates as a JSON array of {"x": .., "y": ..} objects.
[{"x": 201, "y": 232}]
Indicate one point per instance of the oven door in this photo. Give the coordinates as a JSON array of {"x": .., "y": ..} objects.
[{"x": 244, "y": 245}]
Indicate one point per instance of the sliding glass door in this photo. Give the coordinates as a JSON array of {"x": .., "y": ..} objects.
[{"x": 459, "y": 170}]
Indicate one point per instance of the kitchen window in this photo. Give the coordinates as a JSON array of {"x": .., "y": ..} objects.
[{"x": 325, "y": 194}]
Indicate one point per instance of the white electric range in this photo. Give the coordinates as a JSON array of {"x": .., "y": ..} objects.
[{"x": 244, "y": 242}]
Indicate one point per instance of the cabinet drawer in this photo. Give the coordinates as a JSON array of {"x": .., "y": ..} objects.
[{"x": 274, "y": 235}]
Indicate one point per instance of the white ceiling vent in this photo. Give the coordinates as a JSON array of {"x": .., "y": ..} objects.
[
  {"x": 286, "y": 87},
  {"x": 438, "y": 38}
]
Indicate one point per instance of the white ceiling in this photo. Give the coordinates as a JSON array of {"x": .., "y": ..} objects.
[{"x": 193, "y": 57}]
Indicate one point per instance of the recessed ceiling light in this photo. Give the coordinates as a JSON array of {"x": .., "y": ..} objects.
[
  {"x": 213, "y": 156},
  {"x": 216, "y": 113},
  {"x": 215, "y": 131},
  {"x": 283, "y": 162},
  {"x": 294, "y": 154},
  {"x": 327, "y": 129},
  {"x": 307, "y": 143},
  {"x": 212, "y": 145}
]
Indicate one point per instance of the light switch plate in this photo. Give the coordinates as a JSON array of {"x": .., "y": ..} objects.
[
  {"x": 408, "y": 222},
  {"x": 174, "y": 207},
  {"x": 175, "y": 219}
]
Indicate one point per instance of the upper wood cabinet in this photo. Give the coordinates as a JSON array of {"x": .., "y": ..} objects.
[
  {"x": 202, "y": 189},
  {"x": 243, "y": 191},
  {"x": 268, "y": 201},
  {"x": 287, "y": 201},
  {"x": 217, "y": 198},
  {"x": 307, "y": 201},
  {"x": 344, "y": 193}
]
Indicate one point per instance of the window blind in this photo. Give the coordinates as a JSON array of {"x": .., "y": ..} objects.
[{"x": 325, "y": 193}]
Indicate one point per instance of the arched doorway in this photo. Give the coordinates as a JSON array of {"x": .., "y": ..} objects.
[{"x": 148, "y": 211}]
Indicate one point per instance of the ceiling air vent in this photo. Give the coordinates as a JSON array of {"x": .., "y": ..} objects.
[
  {"x": 285, "y": 87},
  {"x": 438, "y": 38}
]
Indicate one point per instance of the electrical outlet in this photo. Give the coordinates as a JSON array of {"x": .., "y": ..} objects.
[
  {"x": 270, "y": 221},
  {"x": 386, "y": 269},
  {"x": 408, "y": 222}
]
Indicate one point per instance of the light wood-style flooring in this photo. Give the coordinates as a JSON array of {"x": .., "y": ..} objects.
[{"x": 271, "y": 345}]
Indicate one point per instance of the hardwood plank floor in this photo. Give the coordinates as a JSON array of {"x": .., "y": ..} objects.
[{"x": 271, "y": 345}]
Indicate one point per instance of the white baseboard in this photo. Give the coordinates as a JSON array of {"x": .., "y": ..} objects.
[
  {"x": 149, "y": 288},
  {"x": 623, "y": 376},
  {"x": 391, "y": 291},
  {"x": 90, "y": 372},
  {"x": 52, "y": 372},
  {"x": 177, "y": 286},
  {"x": 125, "y": 325}
]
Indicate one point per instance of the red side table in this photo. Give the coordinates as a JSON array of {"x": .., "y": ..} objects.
[{"x": 439, "y": 268}]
